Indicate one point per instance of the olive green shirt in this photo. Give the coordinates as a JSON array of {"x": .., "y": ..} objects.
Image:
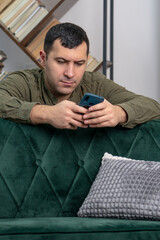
[{"x": 21, "y": 90}]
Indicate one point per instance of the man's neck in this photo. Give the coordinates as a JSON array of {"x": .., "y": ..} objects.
[{"x": 62, "y": 98}]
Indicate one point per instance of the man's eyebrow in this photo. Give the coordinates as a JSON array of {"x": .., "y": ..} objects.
[
  {"x": 79, "y": 61},
  {"x": 82, "y": 61},
  {"x": 61, "y": 58}
]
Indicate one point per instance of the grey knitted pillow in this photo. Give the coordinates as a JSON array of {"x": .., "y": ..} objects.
[{"x": 124, "y": 188}]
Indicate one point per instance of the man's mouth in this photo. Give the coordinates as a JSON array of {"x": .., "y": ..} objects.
[{"x": 67, "y": 83}]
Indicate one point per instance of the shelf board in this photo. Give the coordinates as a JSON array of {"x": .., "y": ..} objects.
[{"x": 108, "y": 65}]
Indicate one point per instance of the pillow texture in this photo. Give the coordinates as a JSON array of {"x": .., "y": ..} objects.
[{"x": 124, "y": 188}]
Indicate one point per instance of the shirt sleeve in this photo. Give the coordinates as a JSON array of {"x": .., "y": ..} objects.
[
  {"x": 139, "y": 108},
  {"x": 15, "y": 99},
  {"x": 12, "y": 108}
]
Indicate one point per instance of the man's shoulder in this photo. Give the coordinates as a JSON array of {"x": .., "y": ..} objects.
[
  {"x": 93, "y": 77},
  {"x": 29, "y": 76},
  {"x": 96, "y": 83},
  {"x": 35, "y": 72}
]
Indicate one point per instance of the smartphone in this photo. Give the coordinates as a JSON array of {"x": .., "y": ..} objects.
[{"x": 90, "y": 99}]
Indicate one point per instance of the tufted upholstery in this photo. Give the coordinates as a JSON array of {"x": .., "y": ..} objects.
[{"x": 47, "y": 173}]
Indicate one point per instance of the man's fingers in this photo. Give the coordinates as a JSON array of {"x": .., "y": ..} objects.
[
  {"x": 78, "y": 124},
  {"x": 79, "y": 109},
  {"x": 95, "y": 120},
  {"x": 99, "y": 106},
  {"x": 95, "y": 114}
]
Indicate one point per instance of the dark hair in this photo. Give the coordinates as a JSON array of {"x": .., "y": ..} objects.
[{"x": 70, "y": 36}]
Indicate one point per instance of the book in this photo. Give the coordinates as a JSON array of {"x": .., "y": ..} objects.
[
  {"x": 6, "y": 13},
  {"x": 4, "y": 4},
  {"x": 22, "y": 19},
  {"x": 3, "y": 75},
  {"x": 93, "y": 64},
  {"x": 36, "y": 8},
  {"x": 19, "y": 12},
  {"x": 38, "y": 42},
  {"x": 14, "y": 11},
  {"x": 32, "y": 23}
]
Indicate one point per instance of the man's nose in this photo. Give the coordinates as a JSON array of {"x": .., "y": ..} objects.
[{"x": 69, "y": 71}]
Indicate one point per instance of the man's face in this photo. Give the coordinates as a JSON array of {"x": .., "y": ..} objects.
[{"x": 64, "y": 68}]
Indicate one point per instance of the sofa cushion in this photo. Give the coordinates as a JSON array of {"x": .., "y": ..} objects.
[
  {"x": 124, "y": 188},
  {"x": 73, "y": 228}
]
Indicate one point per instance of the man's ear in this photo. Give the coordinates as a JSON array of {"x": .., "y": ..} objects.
[{"x": 42, "y": 58}]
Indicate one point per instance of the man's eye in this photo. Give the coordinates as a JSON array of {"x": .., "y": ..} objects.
[
  {"x": 79, "y": 63},
  {"x": 60, "y": 61}
]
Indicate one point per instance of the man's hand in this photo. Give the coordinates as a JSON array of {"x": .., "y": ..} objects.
[
  {"x": 65, "y": 114},
  {"x": 104, "y": 115}
]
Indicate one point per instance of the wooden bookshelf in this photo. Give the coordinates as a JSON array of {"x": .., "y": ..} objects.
[
  {"x": 41, "y": 24},
  {"x": 38, "y": 32},
  {"x": 32, "y": 34}
]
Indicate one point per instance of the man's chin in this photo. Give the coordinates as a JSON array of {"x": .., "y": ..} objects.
[
  {"x": 65, "y": 94},
  {"x": 66, "y": 90}
]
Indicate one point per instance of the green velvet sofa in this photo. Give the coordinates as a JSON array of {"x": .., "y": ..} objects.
[{"x": 46, "y": 173}]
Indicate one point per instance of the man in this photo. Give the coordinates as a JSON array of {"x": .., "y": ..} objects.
[{"x": 51, "y": 96}]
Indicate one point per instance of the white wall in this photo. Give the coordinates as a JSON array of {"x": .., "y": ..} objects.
[
  {"x": 16, "y": 58},
  {"x": 136, "y": 41},
  {"x": 137, "y": 48}
]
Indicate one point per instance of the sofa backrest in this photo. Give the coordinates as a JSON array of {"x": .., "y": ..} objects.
[{"x": 48, "y": 172}]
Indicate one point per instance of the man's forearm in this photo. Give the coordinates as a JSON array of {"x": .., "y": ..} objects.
[
  {"x": 122, "y": 115},
  {"x": 40, "y": 114}
]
